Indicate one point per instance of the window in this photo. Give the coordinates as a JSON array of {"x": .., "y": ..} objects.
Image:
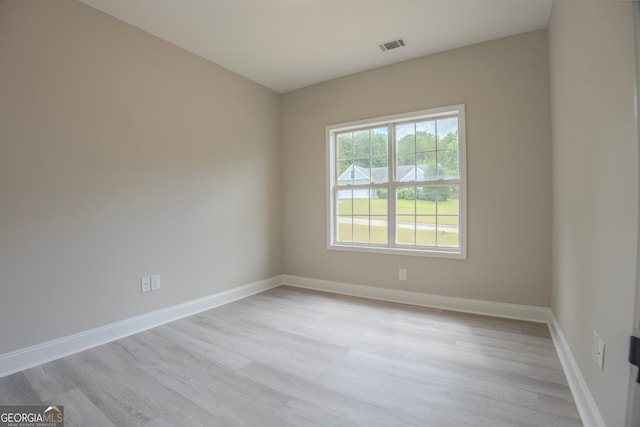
[{"x": 397, "y": 184}]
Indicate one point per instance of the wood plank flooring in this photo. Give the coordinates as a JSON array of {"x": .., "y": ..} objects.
[{"x": 291, "y": 357}]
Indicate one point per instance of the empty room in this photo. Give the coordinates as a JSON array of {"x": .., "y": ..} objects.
[{"x": 319, "y": 213}]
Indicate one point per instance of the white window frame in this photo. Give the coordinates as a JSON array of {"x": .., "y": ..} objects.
[{"x": 390, "y": 247}]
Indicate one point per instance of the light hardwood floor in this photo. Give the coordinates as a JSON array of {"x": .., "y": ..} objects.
[{"x": 291, "y": 357}]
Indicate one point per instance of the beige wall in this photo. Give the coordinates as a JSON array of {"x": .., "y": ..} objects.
[
  {"x": 121, "y": 156},
  {"x": 595, "y": 189},
  {"x": 504, "y": 85}
]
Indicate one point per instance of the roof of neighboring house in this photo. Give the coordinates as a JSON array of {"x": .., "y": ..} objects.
[{"x": 380, "y": 174}]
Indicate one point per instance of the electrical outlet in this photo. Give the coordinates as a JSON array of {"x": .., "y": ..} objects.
[
  {"x": 402, "y": 274},
  {"x": 145, "y": 284},
  {"x": 600, "y": 354},
  {"x": 155, "y": 282}
]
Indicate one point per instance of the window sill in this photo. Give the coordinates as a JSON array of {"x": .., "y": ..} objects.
[{"x": 454, "y": 253}]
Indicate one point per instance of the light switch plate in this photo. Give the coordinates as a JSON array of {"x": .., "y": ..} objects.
[{"x": 155, "y": 282}]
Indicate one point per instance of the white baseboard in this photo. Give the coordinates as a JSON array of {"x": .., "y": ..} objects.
[
  {"x": 587, "y": 407},
  {"x": 29, "y": 357},
  {"x": 488, "y": 308}
]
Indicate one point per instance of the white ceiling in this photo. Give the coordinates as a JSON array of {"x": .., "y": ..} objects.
[{"x": 289, "y": 44}]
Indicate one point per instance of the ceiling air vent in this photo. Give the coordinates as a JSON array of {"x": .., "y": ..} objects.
[{"x": 392, "y": 45}]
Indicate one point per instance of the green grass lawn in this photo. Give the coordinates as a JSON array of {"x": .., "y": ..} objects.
[
  {"x": 362, "y": 234},
  {"x": 423, "y": 211},
  {"x": 377, "y": 234}
]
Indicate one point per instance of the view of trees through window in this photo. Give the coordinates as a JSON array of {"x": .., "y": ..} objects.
[{"x": 419, "y": 163}]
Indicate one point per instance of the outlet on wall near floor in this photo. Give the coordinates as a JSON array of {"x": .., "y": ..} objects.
[
  {"x": 145, "y": 284},
  {"x": 600, "y": 354},
  {"x": 402, "y": 274},
  {"x": 597, "y": 349}
]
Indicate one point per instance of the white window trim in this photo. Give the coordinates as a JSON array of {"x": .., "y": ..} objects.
[{"x": 452, "y": 253}]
